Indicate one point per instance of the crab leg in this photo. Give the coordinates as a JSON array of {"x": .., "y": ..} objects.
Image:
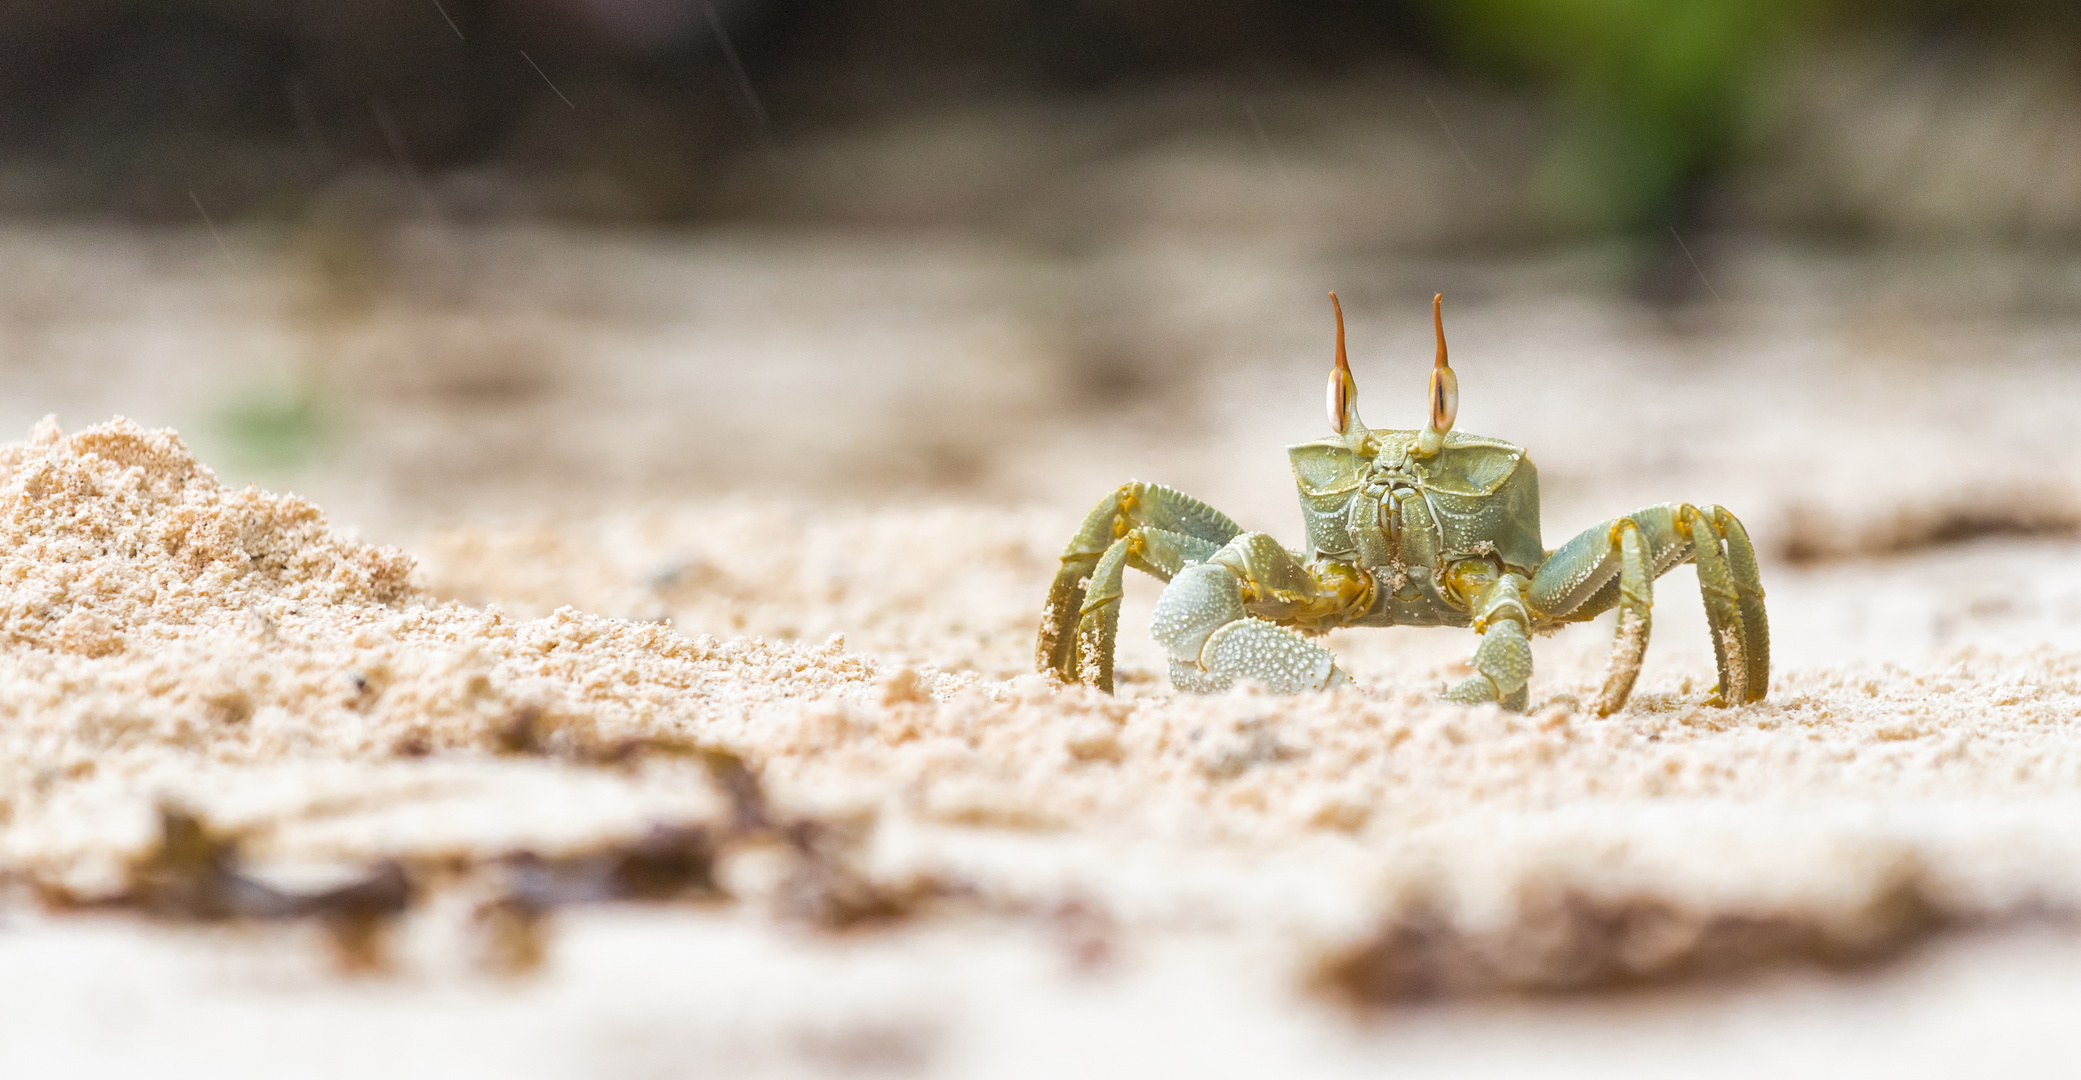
[
  {"x": 1132, "y": 505},
  {"x": 1636, "y": 602},
  {"x": 1600, "y": 569},
  {"x": 1503, "y": 662},
  {"x": 1612, "y": 565},
  {"x": 1722, "y": 606},
  {"x": 1159, "y": 551},
  {"x": 1748, "y": 585}
]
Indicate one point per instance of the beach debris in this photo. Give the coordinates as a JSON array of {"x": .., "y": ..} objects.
[
  {"x": 749, "y": 811},
  {"x": 666, "y": 863},
  {"x": 531, "y": 731},
  {"x": 194, "y": 873},
  {"x": 1087, "y": 934},
  {"x": 822, "y": 888},
  {"x": 1808, "y": 535},
  {"x": 1571, "y": 940},
  {"x": 825, "y": 889}
]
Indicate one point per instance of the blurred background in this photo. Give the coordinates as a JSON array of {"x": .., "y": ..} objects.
[
  {"x": 446, "y": 261},
  {"x": 1925, "y": 119},
  {"x": 1920, "y": 118}
]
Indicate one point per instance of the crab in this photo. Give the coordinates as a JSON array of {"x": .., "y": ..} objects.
[{"x": 1429, "y": 527}]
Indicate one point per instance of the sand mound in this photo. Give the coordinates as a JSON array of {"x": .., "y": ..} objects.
[
  {"x": 160, "y": 625},
  {"x": 117, "y": 528}
]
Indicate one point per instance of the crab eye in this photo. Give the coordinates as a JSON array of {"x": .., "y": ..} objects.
[
  {"x": 1445, "y": 398},
  {"x": 1343, "y": 389},
  {"x": 1445, "y": 386}
]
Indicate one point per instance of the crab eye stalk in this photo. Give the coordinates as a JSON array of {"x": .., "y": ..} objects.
[
  {"x": 1445, "y": 389},
  {"x": 1343, "y": 389}
]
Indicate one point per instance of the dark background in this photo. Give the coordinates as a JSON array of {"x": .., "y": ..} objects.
[{"x": 1640, "y": 111}]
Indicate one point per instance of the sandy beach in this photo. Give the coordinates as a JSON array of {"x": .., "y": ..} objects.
[{"x": 786, "y": 508}]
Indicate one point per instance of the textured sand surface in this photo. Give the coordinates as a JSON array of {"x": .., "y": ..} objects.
[
  {"x": 1141, "y": 883},
  {"x": 172, "y": 637}
]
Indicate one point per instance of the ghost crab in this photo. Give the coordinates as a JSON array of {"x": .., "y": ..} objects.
[{"x": 1405, "y": 528}]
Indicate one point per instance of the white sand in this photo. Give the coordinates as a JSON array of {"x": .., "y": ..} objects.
[
  {"x": 1155, "y": 880},
  {"x": 172, "y": 637}
]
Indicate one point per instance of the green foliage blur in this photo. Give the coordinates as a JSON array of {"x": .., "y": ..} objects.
[
  {"x": 274, "y": 430},
  {"x": 1654, "y": 94}
]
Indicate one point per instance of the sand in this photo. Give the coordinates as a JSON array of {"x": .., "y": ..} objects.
[
  {"x": 173, "y": 638},
  {"x": 618, "y": 560}
]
